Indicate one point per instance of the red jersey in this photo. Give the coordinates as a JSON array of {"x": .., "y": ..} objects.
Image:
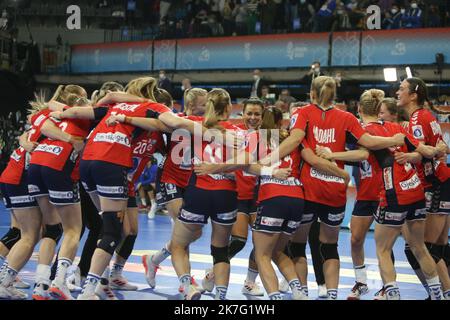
[
  {"x": 401, "y": 183},
  {"x": 215, "y": 153},
  {"x": 246, "y": 182},
  {"x": 332, "y": 128},
  {"x": 144, "y": 146},
  {"x": 20, "y": 159},
  {"x": 424, "y": 127},
  {"x": 177, "y": 165},
  {"x": 113, "y": 144},
  {"x": 370, "y": 184},
  {"x": 270, "y": 187}
]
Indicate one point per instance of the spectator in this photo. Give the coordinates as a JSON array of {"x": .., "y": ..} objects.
[
  {"x": 279, "y": 14},
  {"x": 180, "y": 30},
  {"x": 286, "y": 97},
  {"x": 306, "y": 15},
  {"x": 356, "y": 13},
  {"x": 413, "y": 17},
  {"x": 240, "y": 18},
  {"x": 393, "y": 19},
  {"x": 102, "y": 4},
  {"x": 385, "y": 5},
  {"x": 258, "y": 83},
  {"x": 267, "y": 16},
  {"x": 252, "y": 16},
  {"x": 216, "y": 29},
  {"x": 226, "y": 9},
  {"x": 291, "y": 9},
  {"x": 164, "y": 6},
  {"x": 146, "y": 188},
  {"x": 342, "y": 21},
  {"x": 4, "y": 20},
  {"x": 267, "y": 97},
  {"x": 283, "y": 107},
  {"x": 313, "y": 73},
  {"x": 433, "y": 19},
  {"x": 324, "y": 16},
  {"x": 164, "y": 82}
]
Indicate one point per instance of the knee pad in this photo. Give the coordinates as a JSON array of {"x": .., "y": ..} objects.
[
  {"x": 328, "y": 251},
  {"x": 411, "y": 258},
  {"x": 53, "y": 231},
  {"x": 435, "y": 251},
  {"x": 297, "y": 249},
  {"x": 236, "y": 244},
  {"x": 220, "y": 254},
  {"x": 112, "y": 232},
  {"x": 11, "y": 237},
  {"x": 126, "y": 246}
]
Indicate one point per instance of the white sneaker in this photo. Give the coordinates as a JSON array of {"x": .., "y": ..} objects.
[
  {"x": 283, "y": 286},
  {"x": 152, "y": 212},
  {"x": 40, "y": 292},
  {"x": 103, "y": 291},
  {"x": 20, "y": 284},
  {"x": 252, "y": 289},
  {"x": 197, "y": 286},
  {"x": 391, "y": 294},
  {"x": 299, "y": 295},
  {"x": 121, "y": 283},
  {"x": 87, "y": 296},
  {"x": 358, "y": 290},
  {"x": 208, "y": 280},
  {"x": 380, "y": 295},
  {"x": 150, "y": 270},
  {"x": 73, "y": 281},
  {"x": 60, "y": 291},
  {"x": 12, "y": 293},
  {"x": 322, "y": 291},
  {"x": 192, "y": 294}
]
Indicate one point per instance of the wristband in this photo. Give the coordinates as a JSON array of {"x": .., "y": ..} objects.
[{"x": 267, "y": 171}]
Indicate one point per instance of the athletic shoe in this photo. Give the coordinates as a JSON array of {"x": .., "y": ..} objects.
[
  {"x": 380, "y": 295},
  {"x": 192, "y": 294},
  {"x": 358, "y": 290},
  {"x": 88, "y": 296},
  {"x": 20, "y": 284},
  {"x": 103, "y": 291},
  {"x": 150, "y": 270},
  {"x": 73, "y": 281},
  {"x": 299, "y": 295},
  {"x": 283, "y": 286},
  {"x": 40, "y": 292},
  {"x": 252, "y": 289},
  {"x": 322, "y": 291},
  {"x": 152, "y": 212},
  {"x": 12, "y": 293},
  {"x": 121, "y": 283},
  {"x": 208, "y": 280},
  {"x": 60, "y": 292},
  {"x": 392, "y": 294},
  {"x": 197, "y": 286}
]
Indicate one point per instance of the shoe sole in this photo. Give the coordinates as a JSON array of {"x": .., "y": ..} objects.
[
  {"x": 253, "y": 294},
  {"x": 39, "y": 298},
  {"x": 119, "y": 288},
  {"x": 144, "y": 262},
  {"x": 353, "y": 298},
  {"x": 57, "y": 294}
]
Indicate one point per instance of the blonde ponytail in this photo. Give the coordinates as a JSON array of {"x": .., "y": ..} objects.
[
  {"x": 325, "y": 90},
  {"x": 370, "y": 102}
]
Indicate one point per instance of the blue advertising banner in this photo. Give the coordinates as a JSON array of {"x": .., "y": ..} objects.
[
  {"x": 418, "y": 46},
  {"x": 164, "y": 55},
  {"x": 112, "y": 57},
  {"x": 280, "y": 51},
  {"x": 345, "y": 48}
]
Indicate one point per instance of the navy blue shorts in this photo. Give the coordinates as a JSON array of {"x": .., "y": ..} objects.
[
  {"x": 438, "y": 198},
  {"x": 17, "y": 196},
  {"x": 200, "y": 204},
  {"x": 396, "y": 215},
  {"x": 279, "y": 214},
  {"x": 57, "y": 185},
  {"x": 332, "y": 216},
  {"x": 365, "y": 208},
  {"x": 247, "y": 206},
  {"x": 166, "y": 192},
  {"x": 132, "y": 203},
  {"x": 109, "y": 180}
]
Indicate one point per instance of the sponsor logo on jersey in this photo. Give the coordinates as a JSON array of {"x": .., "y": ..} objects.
[
  {"x": 39, "y": 119},
  {"x": 417, "y": 132},
  {"x": 325, "y": 177},
  {"x": 217, "y": 176},
  {"x": 395, "y": 216},
  {"x": 126, "y": 107},
  {"x": 428, "y": 168},
  {"x": 291, "y": 181},
  {"x": 16, "y": 157},
  {"x": 293, "y": 224},
  {"x": 189, "y": 216},
  {"x": 56, "y": 150},
  {"x": 271, "y": 222},
  {"x": 436, "y": 128},
  {"x": 227, "y": 215},
  {"x": 112, "y": 137},
  {"x": 293, "y": 121},
  {"x": 387, "y": 175},
  {"x": 324, "y": 135},
  {"x": 365, "y": 169},
  {"x": 422, "y": 212},
  {"x": 411, "y": 183},
  {"x": 444, "y": 205},
  {"x": 171, "y": 188},
  {"x": 33, "y": 188},
  {"x": 336, "y": 217},
  {"x": 111, "y": 190},
  {"x": 307, "y": 217},
  {"x": 21, "y": 199},
  {"x": 61, "y": 194}
]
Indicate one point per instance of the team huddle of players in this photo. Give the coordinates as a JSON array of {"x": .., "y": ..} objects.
[{"x": 277, "y": 181}]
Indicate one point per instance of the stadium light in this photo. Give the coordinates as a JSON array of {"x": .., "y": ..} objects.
[
  {"x": 390, "y": 74},
  {"x": 408, "y": 72}
]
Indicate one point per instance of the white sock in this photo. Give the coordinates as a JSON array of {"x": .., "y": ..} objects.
[
  {"x": 43, "y": 272},
  {"x": 144, "y": 203},
  {"x": 90, "y": 284},
  {"x": 221, "y": 292},
  {"x": 2, "y": 261},
  {"x": 251, "y": 275},
  {"x": 153, "y": 203},
  {"x": 116, "y": 271},
  {"x": 332, "y": 294},
  {"x": 61, "y": 271},
  {"x": 389, "y": 288},
  {"x": 275, "y": 296},
  {"x": 161, "y": 255},
  {"x": 361, "y": 274},
  {"x": 305, "y": 290},
  {"x": 434, "y": 288},
  {"x": 185, "y": 281}
]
